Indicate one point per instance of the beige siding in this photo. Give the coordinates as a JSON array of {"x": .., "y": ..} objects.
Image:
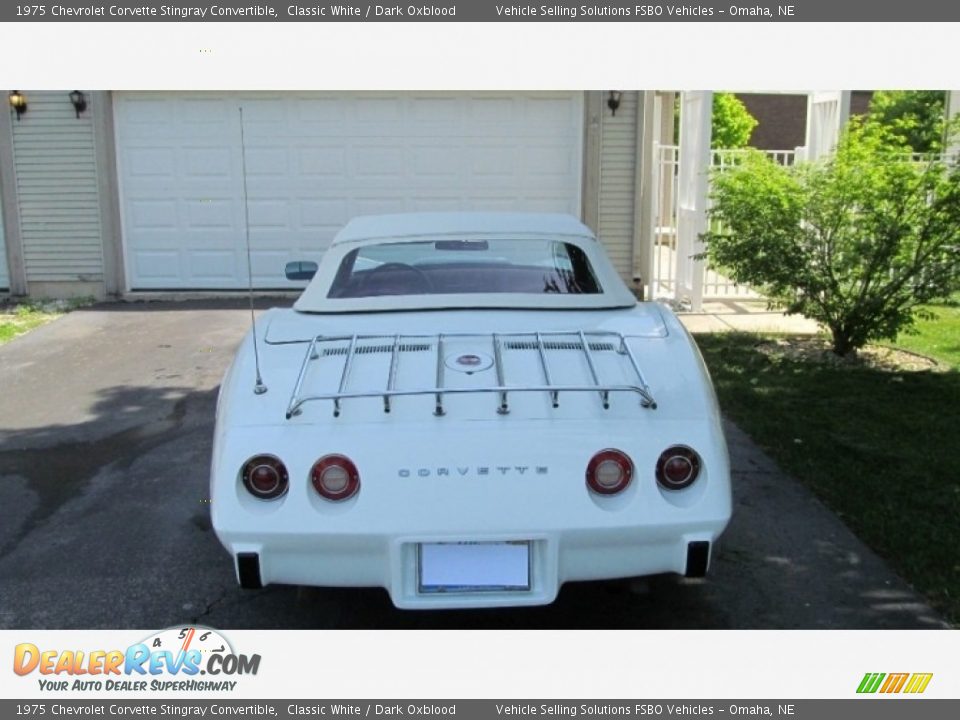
[
  {"x": 57, "y": 191},
  {"x": 4, "y": 275},
  {"x": 618, "y": 166}
]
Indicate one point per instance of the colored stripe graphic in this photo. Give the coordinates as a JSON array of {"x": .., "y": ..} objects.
[
  {"x": 894, "y": 682},
  {"x": 918, "y": 682},
  {"x": 870, "y": 682}
]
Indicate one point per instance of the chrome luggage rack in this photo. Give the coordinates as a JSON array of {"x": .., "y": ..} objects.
[{"x": 586, "y": 342}]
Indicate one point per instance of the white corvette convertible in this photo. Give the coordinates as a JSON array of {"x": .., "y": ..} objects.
[{"x": 469, "y": 410}]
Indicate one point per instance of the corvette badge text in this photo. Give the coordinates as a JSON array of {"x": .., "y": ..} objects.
[{"x": 142, "y": 666}]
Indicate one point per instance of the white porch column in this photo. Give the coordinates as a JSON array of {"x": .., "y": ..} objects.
[
  {"x": 696, "y": 112},
  {"x": 952, "y": 146},
  {"x": 827, "y": 113}
]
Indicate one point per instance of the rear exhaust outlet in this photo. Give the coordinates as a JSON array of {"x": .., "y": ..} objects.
[
  {"x": 248, "y": 570},
  {"x": 698, "y": 558}
]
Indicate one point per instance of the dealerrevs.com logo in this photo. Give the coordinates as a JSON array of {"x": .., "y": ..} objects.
[
  {"x": 170, "y": 660},
  {"x": 892, "y": 683}
]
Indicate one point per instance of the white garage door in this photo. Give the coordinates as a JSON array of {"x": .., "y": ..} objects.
[{"x": 315, "y": 160}]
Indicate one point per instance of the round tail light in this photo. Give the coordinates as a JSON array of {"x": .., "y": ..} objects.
[
  {"x": 335, "y": 477},
  {"x": 609, "y": 472},
  {"x": 678, "y": 467},
  {"x": 265, "y": 477}
]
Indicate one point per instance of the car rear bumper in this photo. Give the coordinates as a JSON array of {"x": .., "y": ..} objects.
[{"x": 394, "y": 561}]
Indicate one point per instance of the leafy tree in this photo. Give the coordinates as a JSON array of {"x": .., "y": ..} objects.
[
  {"x": 732, "y": 123},
  {"x": 856, "y": 242},
  {"x": 914, "y": 117}
]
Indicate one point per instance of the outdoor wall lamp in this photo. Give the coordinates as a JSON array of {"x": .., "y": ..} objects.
[
  {"x": 79, "y": 101},
  {"x": 18, "y": 101},
  {"x": 613, "y": 101}
]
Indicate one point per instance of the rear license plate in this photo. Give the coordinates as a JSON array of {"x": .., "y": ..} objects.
[{"x": 474, "y": 567}]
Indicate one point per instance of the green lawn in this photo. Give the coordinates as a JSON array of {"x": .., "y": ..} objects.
[
  {"x": 881, "y": 448},
  {"x": 20, "y": 319},
  {"x": 938, "y": 338},
  {"x": 17, "y": 318}
]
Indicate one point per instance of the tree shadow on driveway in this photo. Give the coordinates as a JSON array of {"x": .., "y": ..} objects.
[
  {"x": 106, "y": 433},
  {"x": 115, "y": 532}
]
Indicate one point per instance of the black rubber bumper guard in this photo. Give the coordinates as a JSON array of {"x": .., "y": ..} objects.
[
  {"x": 248, "y": 570},
  {"x": 698, "y": 558},
  {"x": 248, "y": 565}
]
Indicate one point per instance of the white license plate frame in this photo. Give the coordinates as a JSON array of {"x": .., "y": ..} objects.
[{"x": 474, "y": 567}]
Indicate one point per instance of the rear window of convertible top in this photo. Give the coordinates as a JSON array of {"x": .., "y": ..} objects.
[{"x": 465, "y": 267}]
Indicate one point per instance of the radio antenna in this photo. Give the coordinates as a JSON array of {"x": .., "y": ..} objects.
[{"x": 259, "y": 388}]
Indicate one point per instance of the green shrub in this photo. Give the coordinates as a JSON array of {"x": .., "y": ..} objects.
[
  {"x": 732, "y": 124},
  {"x": 857, "y": 241},
  {"x": 914, "y": 117}
]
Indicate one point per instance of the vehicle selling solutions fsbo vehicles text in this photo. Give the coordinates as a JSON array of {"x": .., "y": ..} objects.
[{"x": 573, "y": 12}]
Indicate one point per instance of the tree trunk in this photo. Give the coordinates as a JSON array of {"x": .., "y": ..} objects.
[{"x": 843, "y": 344}]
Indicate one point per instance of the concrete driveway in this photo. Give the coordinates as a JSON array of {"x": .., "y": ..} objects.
[{"x": 106, "y": 418}]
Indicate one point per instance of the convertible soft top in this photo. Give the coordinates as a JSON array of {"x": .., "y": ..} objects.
[
  {"x": 407, "y": 226},
  {"x": 415, "y": 227}
]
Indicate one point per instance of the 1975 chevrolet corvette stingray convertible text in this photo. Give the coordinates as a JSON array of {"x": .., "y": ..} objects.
[{"x": 469, "y": 410}]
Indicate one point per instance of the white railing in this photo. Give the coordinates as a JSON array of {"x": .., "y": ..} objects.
[
  {"x": 665, "y": 258},
  {"x": 723, "y": 159},
  {"x": 946, "y": 158}
]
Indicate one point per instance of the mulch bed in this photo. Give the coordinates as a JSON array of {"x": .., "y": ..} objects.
[{"x": 877, "y": 357}]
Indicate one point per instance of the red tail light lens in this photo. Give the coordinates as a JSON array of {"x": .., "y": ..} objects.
[
  {"x": 678, "y": 467},
  {"x": 609, "y": 472},
  {"x": 265, "y": 477},
  {"x": 335, "y": 477}
]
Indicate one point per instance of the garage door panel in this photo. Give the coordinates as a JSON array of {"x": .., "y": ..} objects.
[
  {"x": 268, "y": 162},
  {"x": 151, "y": 162},
  {"x": 147, "y": 215},
  {"x": 436, "y": 204},
  {"x": 434, "y": 162},
  {"x": 208, "y": 162},
  {"x": 492, "y": 112},
  {"x": 144, "y": 117},
  {"x": 498, "y": 204},
  {"x": 323, "y": 161},
  {"x": 315, "y": 114},
  {"x": 383, "y": 162},
  {"x": 161, "y": 267},
  {"x": 267, "y": 214},
  {"x": 542, "y": 204},
  {"x": 323, "y": 214},
  {"x": 375, "y": 113},
  {"x": 315, "y": 160},
  {"x": 378, "y": 206},
  {"x": 208, "y": 265},
  {"x": 205, "y": 117},
  {"x": 445, "y": 112},
  {"x": 209, "y": 214}
]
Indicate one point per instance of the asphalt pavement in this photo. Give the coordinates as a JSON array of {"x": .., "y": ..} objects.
[{"x": 106, "y": 422}]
